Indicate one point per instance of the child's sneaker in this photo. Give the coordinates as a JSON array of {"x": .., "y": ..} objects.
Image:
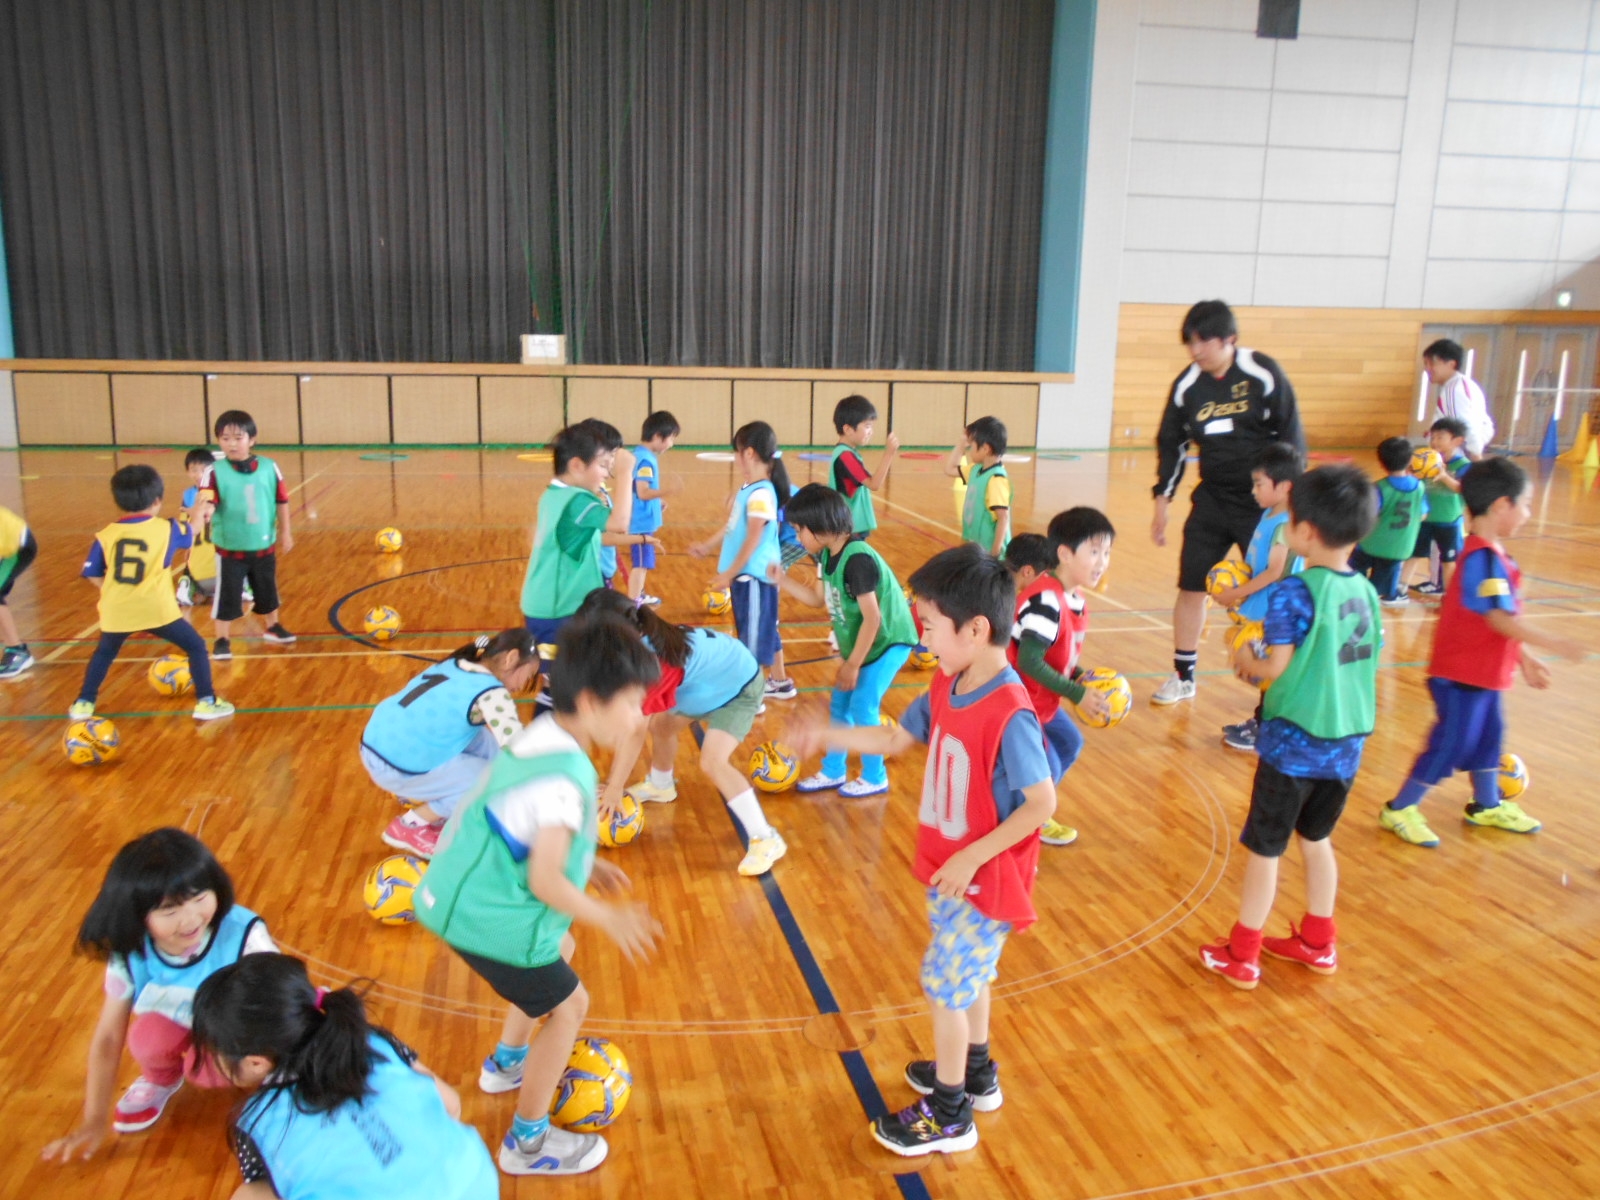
[
  {"x": 556, "y": 1151},
  {"x": 1054, "y": 833},
  {"x": 1398, "y": 600},
  {"x": 1241, "y": 736},
  {"x": 81, "y": 710},
  {"x": 1294, "y": 948},
  {"x": 278, "y": 635},
  {"x": 1174, "y": 690},
  {"x": 185, "y": 593},
  {"x": 763, "y": 852},
  {"x": 419, "y": 840},
  {"x": 820, "y": 783},
  {"x": 142, "y": 1104},
  {"x": 221, "y": 649},
  {"x": 212, "y": 709},
  {"x": 1408, "y": 824},
  {"x": 496, "y": 1079},
  {"x": 1505, "y": 815},
  {"x": 646, "y": 792},
  {"x": 14, "y": 661},
  {"x": 855, "y": 789},
  {"x": 780, "y": 689},
  {"x": 1218, "y": 957},
  {"x": 648, "y": 599},
  {"x": 1428, "y": 589},
  {"x": 983, "y": 1087},
  {"x": 916, "y": 1130}
]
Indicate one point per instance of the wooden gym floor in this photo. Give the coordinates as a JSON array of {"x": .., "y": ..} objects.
[{"x": 1455, "y": 1053}]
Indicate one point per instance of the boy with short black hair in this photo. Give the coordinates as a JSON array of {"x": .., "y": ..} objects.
[
  {"x": 986, "y": 512},
  {"x": 853, "y": 420},
  {"x": 1440, "y": 538},
  {"x": 1479, "y": 642},
  {"x": 660, "y": 430},
  {"x": 610, "y": 438},
  {"x": 243, "y": 499},
  {"x": 1401, "y": 506},
  {"x": 1322, "y": 639},
  {"x": 129, "y": 562},
  {"x": 18, "y": 549},
  {"x": 1047, "y": 635},
  {"x": 985, "y": 793}
]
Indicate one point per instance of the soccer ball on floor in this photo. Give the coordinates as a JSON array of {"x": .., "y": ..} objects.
[
  {"x": 773, "y": 767},
  {"x": 1254, "y": 635},
  {"x": 625, "y": 826},
  {"x": 387, "y": 891},
  {"x": 389, "y": 540},
  {"x": 1426, "y": 463},
  {"x": 169, "y": 675},
  {"x": 90, "y": 742},
  {"x": 1229, "y": 573},
  {"x": 381, "y": 623},
  {"x": 594, "y": 1089},
  {"x": 718, "y": 603},
  {"x": 1513, "y": 777},
  {"x": 1117, "y": 693}
]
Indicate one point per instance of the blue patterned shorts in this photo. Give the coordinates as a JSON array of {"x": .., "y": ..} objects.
[{"x": 963, "y": 955}]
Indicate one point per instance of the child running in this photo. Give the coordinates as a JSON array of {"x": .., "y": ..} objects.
[
  {"x": 164, "y": 921},
  {"x": 986, "y": 509},
  {"x": 1401, "y": 506},
  {"x": 871, "y": 624},
  {"x": 985, "y": 793},
  {"x": 854, "y": 418},
  {"x": 1323, "y": 636},
  {"x": 432, "y": 740},
  {"x": 18, "y": 549},
  {"x": 655, "y": 439},
  {"x": 707, "y": 677},
  {"x": 749, "y": 544},
  {"x": 129, "y": 562},
  {"x": 1480, "y": 640},
  {"x": 509, "y": 875},
  {"x": 337, "y": 1107}
]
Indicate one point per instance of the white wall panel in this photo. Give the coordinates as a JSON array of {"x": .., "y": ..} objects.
[
  {"x": 1189, "y": 114},
  {"x": 1580, "y": 237},
  {"x": 1351, "y": 66},
  {"x": 1526, "y": 183},
  {"x": 1316, "y": 281},
  {"x": 1492, "y": 234},
  {"x": 1358, "y": 230},
  {"x": 1394, "y": 19},
  {"x": 1174, "y": 223},
  {"x": 1201, "y": 14},
  {"x": 1219, "y": 172},
  {"x": 1583, "y": 195},
  {"x": 1161, "y": 277},
  {"x": 1546, "y": 24},
  {"x": 1587, "y": 143},
  {"x": 1204, "y": 57},
  {"x": 1591, "y": 79},
  {"x": 1356, "y": 177},
  {"x": 1336, "y": 122},
  {"x": 1515, "y": 76},
  {"x": 1486, "y": 284},
  {"x": 1519, "y": 131}
]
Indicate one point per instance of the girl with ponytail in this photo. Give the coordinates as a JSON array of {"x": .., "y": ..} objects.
[
  {"x": 339, "y": 1107},
  {"x": 431, "y": 741}
]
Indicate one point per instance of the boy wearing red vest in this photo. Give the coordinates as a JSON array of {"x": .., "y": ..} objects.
[
  {"x": 986, "y": 791},
  {"x": 1477, "y": 646}
]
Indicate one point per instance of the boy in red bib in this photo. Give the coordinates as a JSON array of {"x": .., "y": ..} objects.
[
  {"x": 986, "y": 790},
  {"x": 1477, "y": 647}
]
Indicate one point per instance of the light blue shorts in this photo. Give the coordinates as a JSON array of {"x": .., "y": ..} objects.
[
  {"x": 446, "y": 785},
  {"x": 963, "y": 954}
]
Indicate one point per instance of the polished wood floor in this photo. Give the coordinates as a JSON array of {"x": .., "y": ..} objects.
[{"x": 1456, "y": 1052}]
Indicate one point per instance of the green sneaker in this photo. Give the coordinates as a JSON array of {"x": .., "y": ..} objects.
[
  {"x": 210, "y": 710},
  {"x": 1408, "y": 824},
  {"x": 1505, "y": 815},
  {"x": 81, "y": 710}
]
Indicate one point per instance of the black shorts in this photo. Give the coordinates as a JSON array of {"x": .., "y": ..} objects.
[
  {"x": 535, "y": 990},
  {"x": 1281, "y": 805},
  {"x": 1446, "y": 536},
  {"x": 26, "y": 553},
  {"x": 261, "y": 571},
  {"x": 1215, "y": 526}
]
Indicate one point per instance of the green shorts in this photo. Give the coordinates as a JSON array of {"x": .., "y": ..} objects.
[{"x": 736, "y": 716}]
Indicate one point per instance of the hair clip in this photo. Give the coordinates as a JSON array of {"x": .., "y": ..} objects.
[
  {"x": 481, "y": 641},
  {"x": 322, "y": 994}
]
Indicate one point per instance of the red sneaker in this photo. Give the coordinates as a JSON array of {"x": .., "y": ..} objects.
[
  {"x": 1295, "y": 949},
  {"x": 1218, "y": 957},
  {"x": 418, "y": 840}
]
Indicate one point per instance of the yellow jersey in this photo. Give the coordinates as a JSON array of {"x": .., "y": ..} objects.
[
  {"x": 12, "y": 530},
  {"x": 202, "y": 564},
  {"x": 136, "y": 591}
]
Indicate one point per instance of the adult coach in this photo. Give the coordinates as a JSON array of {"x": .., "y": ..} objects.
[
  {"x": 1231, "y": 403},
  {"x": 1459, "y": 397}
]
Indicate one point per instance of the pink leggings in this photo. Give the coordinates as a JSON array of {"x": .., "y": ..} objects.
[{"x": 165, "y": 1053}]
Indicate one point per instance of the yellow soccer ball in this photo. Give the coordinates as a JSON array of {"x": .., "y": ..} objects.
[
  {"x": 1229, "y": 573},
  {"x": 1513, "y": 776},
  {"x": 774, "y": 767},
  {"x": 381, "y": 623},
  {"x": 1117, "y": 693},
  {"x": 1426, "y": 463},
  {"x": 90, "y": 742},
  {"x": 625, "y": 826},
  {"x": 923, "y": 659},
  {"x": 169, "y": 675},
  {"x": 387, "y": 891},
  {"x": 1254, "y": 635},
  {"x": 718, "y": 603},
  {"x": 389, "y": 540},
  {"x": 594, "y": 1089}
]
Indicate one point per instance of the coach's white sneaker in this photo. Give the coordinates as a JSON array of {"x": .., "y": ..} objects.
[{"x": 1173, "y": 690}]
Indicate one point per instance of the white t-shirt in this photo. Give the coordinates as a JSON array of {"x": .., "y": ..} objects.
[
  {"x": 1461, "y": 398},
  {"x": 520, "y": 812}
]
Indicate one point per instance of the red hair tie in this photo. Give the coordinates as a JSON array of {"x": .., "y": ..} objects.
[{"x": 322, "y": 994}]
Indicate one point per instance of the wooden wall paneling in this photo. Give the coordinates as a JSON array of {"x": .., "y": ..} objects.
[
  {"x": 273, "y": 402},
  {"x": 704, "y": 408},
  {"x": 441, "y": 409},
  {"x": 1016, "y": 404},
  {"x": 67, "y": 409},
  {"x": 623, "y": 402},
  {"x": 929, "y": 414},
  {"x": 521, "y": 410},
  {"x": 343, "y": 410},
  {"x": 159, "y": 410},
  {"x": 825, "y": 393},
  {"x": 785, "y": 404}
]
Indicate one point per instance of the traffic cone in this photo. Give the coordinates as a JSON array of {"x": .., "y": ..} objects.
[
  {"x": 1551, "y": 447},
  {"x": 1583, "y": 445},
  {"x": 1591, "y": 460}
]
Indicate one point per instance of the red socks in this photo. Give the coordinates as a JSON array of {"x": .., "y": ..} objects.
[
  {"x": 1317, "y": 932},
  {"x": 1245, "y": 944}
]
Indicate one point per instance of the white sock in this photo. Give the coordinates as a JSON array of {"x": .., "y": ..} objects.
[
  {"x": 414, "y": 819},
  {"x": 747, "y": 808},
  {"x": 661, "y": 779}
]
